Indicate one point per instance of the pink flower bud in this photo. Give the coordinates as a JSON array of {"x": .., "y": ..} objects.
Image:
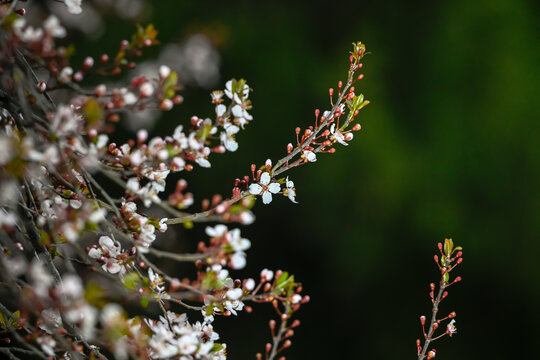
[
  {"x": 164, "y": 71},
  {"x": 166, "y": 105},
  {"x": 88, "y": 63},
  {"x": 42, "y": 86},
  {"x": 142, "y": 135},
  {"x": 146, "y": 90},
  {"x": 101, "y": 90},
  {"x": 78, "y": 76}
]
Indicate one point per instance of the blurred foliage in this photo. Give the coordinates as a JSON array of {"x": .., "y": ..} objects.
[{"x": 448, "y": 149}]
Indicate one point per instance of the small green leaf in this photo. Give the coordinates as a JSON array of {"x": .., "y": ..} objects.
[
  {"x": 282, "y": 279},
  {"x": 93, "y": 111},
  {"x": 131, "y": 281},
  {"x": 446, "y": 277},
  {"x": 170, "y": 85},
  {"x": 144, "y": 301},
  {"x": 448, "y": 247}
]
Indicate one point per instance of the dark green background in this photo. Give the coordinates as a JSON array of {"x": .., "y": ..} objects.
[{"x": 449, "y": 148}]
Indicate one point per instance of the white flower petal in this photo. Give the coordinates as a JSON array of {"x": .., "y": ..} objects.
[
  {"x": 237, "y": 111},
  {"x": 267, "y": 197},
  {"x": 265, "y": 178},
  {"x": 255, "y": 189},
  {"x": 106, "y": 242},
  {"x": 274, "y": 188},
  {"x": 220, "y": 110},
  {"x": 231, "y": 145}
]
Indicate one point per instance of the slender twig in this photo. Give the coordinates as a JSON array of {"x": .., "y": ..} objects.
[
  {"x": 279, "y": 336},
  {"x": 180, "y": 257},
  {"x": 22, "y": 58},
  {"x": 431, "y": 330}
]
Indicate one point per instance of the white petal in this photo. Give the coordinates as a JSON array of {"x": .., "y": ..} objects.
[
  {"x": 267, "y": 197},
  {"x": 265, "y": 178},
  {"x": 237, "y": 98},
  {"x": 237, "y": 111},
  {"x": 310, "y": 156},
  {"x": 255, "y": 189},
  {"x": 232, "y": 129},
  {"x": 234, "y": 294},
  {"x": 220, "y": 109},
  {"x": 231, "y": 145},
  {"x": 228, "y": 89},
  {"x": 106, "y": 242},
  {"x": 94, "y": 253},
  {"x": 274, "y": 188}
]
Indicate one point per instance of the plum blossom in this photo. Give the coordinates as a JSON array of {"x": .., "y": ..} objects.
[
  {"x": 53, "y": 27},
  {"x": 26, "y": 33},
  {"x": 227, "y": 137},
  {"x": 156, "y": 284},
  {"x": 339, "y": 136},
  {"x": 265, "y": 187},
  {"x": 47, "y": 344},
  {"x": 290, "y": 191},
  {"x": 228, "y": 91},
  {"x": 233, "y": 306},
  {"x": 239, "y": 244},
  {"x": 451, "y": 328},
  {"x": 310, "y": 156},
  {"x": 74, "y": 6},
  {"x": 108, "y": 253},
  {"x": 241, "y": 115},
  {"x": 267, "y": 275}
]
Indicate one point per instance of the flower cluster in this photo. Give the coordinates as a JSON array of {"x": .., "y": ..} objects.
[
  {"x": 75, "y": 247},
  {"x": 174, "y": 336},
  {"x": 110, "y": 254}
]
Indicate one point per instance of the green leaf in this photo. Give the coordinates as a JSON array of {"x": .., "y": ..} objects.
[
  {"x": 131, "y": 281},
  {"x": 144, "y": 301},
  {"x": 448, "y": 247},
  {"x": 282, "y": 279},
  {"x": 93, "y": 111},
  {"x": 446, "y": 277},
  {"x": 170, "y": 85}
]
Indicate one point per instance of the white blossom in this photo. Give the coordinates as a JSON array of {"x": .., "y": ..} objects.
[
  {"x": 267, "y": 275},
  {"x": 338, "y": 135},
  {"x": 265, "y": 187},
  {"x": 227, "y": 137},
  {"x": 74, "y": 6},
  {"x": 53, "y": 27},
  {"x": 310, "y": 156}
]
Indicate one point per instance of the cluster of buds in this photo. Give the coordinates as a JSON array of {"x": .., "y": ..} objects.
[{"x": 450, "y": 258}]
